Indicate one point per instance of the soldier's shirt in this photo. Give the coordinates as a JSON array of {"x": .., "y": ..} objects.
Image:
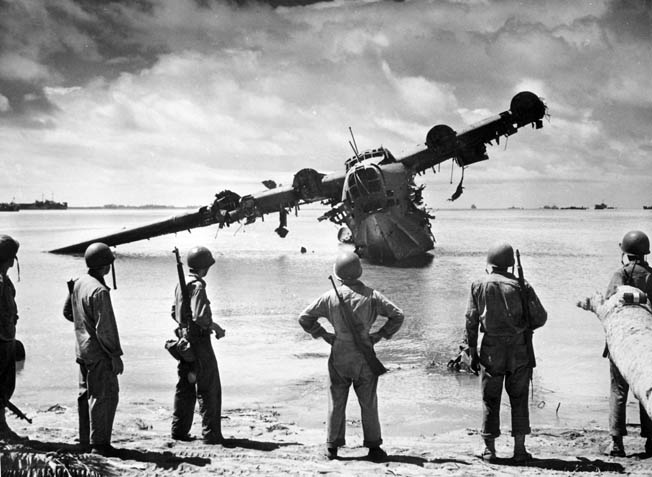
[
  {"x": 496, "y": 308},
  {"x": 366, "y": 303}
]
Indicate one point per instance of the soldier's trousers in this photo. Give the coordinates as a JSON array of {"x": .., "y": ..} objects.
[
  {"x": 516, "y": 385},
  {"x": 618, "y": 406},
  {"x": 207, "y": 390},
  {"x": 97, "y": 402},
  {"x": 344, "y": 371},
  {"x": 7, "y": 375}
]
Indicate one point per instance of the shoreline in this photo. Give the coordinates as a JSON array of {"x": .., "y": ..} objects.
[{"x": 263, "y": 441}]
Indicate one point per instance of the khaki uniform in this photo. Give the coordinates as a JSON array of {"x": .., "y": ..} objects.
[
  {"x": 639, "y": 276},
  {"x": 8, "y": 319},
  {"x": 346, "y": 364},
  {"x": 97, "y": 342},
  {"x": 208, "y": 388},
  {"x": 495, "y": 308}
]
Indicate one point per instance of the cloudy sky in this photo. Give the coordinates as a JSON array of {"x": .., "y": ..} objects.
[{"x": 171, "y": 101}]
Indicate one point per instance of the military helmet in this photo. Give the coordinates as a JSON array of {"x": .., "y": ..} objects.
[
  {"x": 8, "y": 247},
  {"x": 635, "y": 242},
  {"x": 347, "y": 266},
  {"x": 501, "y": 255},
  {"x": 200, "y": 258},
  {"x": 98, "y": 255}
]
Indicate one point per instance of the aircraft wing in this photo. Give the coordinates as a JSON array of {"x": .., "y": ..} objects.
[
  {"x": 308, "y": 186},
  {"x": 469, "y": 146},
  {"x": 201, "y": 218}
]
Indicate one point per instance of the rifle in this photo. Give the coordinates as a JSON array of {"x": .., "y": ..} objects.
[
  {"x": 532, "y": 362},
  {"x": 181, "y": 348},
  {"x": 17, "y": 412},
  {"x": 367, "y": 349},
  {"x": 185, "y": 301}
]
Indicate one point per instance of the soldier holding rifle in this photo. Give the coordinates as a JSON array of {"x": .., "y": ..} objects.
[
  {"x": 199, "y": 378},
  {"x": 8, "y": 319},
  {"x": 352, "y": 309},
  {"x": 506, "y": 309}
]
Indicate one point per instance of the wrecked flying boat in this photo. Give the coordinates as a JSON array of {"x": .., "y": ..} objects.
[{"x": 376, "y": 197}]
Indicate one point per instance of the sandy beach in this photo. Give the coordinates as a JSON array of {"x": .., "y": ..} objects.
[
  {"x": 274, "y": 374},
  {"x": 263, "y": 442}
]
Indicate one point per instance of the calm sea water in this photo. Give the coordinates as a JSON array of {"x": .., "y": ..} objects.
[{"x": 261, "y": 282}]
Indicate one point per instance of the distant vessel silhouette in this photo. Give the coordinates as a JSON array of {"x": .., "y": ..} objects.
[
  {"x": 602, "y": 206},
  {"x": 43, "y": 205},
  {"x": 9, "y": 207}
]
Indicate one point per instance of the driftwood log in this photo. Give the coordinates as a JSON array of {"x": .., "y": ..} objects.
[{"x": 627, "y": 321}]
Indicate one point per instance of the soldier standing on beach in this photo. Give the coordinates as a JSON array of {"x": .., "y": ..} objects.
[
  {"x": 199, "y": 380},
  {"x": 8, "y": 319},
  {"x": 636, "y": 273},
  {"x": 98, "y": 350},
  {"x": 496, "y": 308},
  {"x": 347, "y": 363}
]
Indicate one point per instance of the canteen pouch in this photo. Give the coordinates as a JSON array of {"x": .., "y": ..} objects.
[
  {"x": 19, "y": 350},
  {"x": 180, "y": 349}
]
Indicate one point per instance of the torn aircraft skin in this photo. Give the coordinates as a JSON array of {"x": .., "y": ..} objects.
[{"x": 375, "y": 198}]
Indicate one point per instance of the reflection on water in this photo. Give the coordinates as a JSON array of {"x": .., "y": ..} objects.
[{"x": 260, "y": 284}]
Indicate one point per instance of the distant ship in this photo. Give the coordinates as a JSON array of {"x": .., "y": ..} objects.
[
  {"x": 573, "y": 207},
  {"x": 647, "y": 207},
  {"x": 9, "y": 207},
  {"x": 602, "y": 206},
  {"x": 43, "y": 205}
]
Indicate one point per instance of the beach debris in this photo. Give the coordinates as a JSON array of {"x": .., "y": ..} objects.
[
  {"x": 461, "y": 362},
  {"x": 142, "y": 425},
  {"x": 52, "y": 463}
]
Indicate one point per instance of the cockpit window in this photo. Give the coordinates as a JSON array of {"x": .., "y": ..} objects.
[
  {"x": 380, "y": 155},
  {"x": 364, "y": 185}
]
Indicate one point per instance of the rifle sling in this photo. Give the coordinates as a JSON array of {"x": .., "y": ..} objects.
[{"x": 367, "y": 351}]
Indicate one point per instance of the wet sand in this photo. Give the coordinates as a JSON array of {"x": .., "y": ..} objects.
[{"x": 263, "y": 442}]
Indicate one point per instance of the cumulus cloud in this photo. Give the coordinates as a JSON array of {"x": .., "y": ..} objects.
[{"x": 211, "y": 92}]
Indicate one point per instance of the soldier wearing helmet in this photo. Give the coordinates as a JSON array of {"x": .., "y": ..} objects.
[
  {"x": 635, "y": 272},
  {"x": 98, "y": 350},
  {"x": 8, "y": 319},
  {"x": 204, "y": 385},
  {"x": 346, "y": 364},
  {"x": 495, "y": 307}
]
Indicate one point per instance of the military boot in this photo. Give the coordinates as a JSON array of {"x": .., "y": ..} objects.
[
  {"x": 521, "y": 455},
  {"x": 377, "y": 454},
  {"x": 331, "y": 453},
  {"x": 489, "y": 452},
  {"x": 617, "y": 447}
]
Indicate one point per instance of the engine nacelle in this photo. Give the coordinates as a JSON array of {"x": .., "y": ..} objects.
[
  {"x": 307, "y": 183},
  {"x": 526, "y": 108},
  {"x": 441, "y": 136}
]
